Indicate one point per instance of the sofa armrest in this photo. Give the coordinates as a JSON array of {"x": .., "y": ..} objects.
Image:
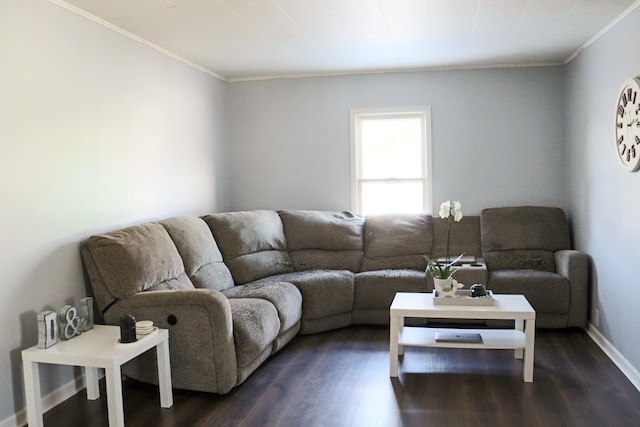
[
  {"x": 201, "y": 344},
  {"x": 574, "y": 265}
]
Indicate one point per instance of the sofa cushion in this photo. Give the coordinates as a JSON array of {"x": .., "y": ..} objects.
[
  {"x": 200, "y": 254},
  {"x": 132, "y": 260},
  {"x": 323, "y": 240},
  {"x": 464, "y": 237},
  {"x": 285, "y": 297},
  {"x": 376, "y": 289},
  {"x": 397, "y": 241},
  {"x": 324, "y": 292},
  {"x": 253, "y": 244},
  {"x": 523, "y": 237},
  {"x": 546, "y": 292},
  {"x": 255, "y": 328}
]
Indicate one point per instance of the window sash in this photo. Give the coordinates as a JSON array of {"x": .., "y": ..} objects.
[{"x": 357, "y": 181}]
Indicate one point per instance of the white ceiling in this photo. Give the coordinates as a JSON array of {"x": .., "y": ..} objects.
[{"x": 245, "y": 39}]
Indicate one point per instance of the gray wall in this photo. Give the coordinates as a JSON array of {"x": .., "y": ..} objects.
[
  {"x": 498, "y": 136},
  {"x": 604, "y": 199},
  {"x": 96, "y": 132}
]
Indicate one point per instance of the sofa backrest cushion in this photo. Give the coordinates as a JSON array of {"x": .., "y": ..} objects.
[
  {"x": 463, "y": 238},
  {"x": 252, "y": 243},
  {"x": 397, "y": 241},
  {"x": 323, "y": 240},
  {"x": 135, "y": 259},
  {"x": 523, "y": 237},
  {"x": 199, "y": 252}
]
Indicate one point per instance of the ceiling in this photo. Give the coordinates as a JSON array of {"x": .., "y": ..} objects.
[{"x": 251, "y": 39}]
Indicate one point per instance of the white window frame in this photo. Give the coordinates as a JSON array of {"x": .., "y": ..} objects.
[{"x": 356, "y": 114}]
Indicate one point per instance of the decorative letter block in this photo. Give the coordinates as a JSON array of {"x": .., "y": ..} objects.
[
  {"x": 86, "y": 314},
  {"x": 69, "y": 322},
  {"x": 47, "y": 329}
]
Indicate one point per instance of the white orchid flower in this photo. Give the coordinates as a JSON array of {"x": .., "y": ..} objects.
[
  {"x": 445, "y": 209},
  {"x": 457, "y": 211}
]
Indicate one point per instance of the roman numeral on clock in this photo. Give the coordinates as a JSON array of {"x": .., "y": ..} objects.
[{"x": 620, "y": 110}]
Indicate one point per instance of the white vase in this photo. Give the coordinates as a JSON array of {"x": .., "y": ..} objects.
[{"x": 444, "y": 287}]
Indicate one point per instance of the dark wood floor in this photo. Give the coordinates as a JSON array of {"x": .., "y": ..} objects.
[{"x": 341, "y": 378}]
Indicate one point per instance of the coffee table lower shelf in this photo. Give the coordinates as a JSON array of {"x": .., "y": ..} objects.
[{"x": 507, "y": 339}]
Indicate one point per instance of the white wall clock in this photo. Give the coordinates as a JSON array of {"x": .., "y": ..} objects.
[{"x": 628, "y": 125}]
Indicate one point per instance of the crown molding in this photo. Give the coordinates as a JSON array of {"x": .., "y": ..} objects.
[
  {"x": 179, "y": 58},
  {"x": 132, "y": 36},
  {"x": 602, "y": 32},
  {"x": 395, "y": 71}
]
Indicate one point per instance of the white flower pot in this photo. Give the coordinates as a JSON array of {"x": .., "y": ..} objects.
[{"x": 444, "y": 287}]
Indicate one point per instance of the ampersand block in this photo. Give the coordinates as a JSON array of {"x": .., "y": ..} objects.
[{"x": 69, "y": 322}]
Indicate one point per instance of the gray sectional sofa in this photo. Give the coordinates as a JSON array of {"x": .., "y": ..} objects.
[{"x": 234, "y": 288}]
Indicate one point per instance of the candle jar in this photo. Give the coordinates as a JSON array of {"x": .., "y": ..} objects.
[{"x": 128, "y": 328}]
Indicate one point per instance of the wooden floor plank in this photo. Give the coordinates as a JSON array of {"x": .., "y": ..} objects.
[{"x": 341, "y": 379}]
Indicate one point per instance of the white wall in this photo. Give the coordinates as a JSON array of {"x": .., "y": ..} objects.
[
  {"x": 498, "y": 136},
  {"x": 604, "y": 199},
  {"x": 96, "y": 132}
]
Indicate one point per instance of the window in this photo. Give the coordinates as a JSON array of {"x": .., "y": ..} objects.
[{"x": 390, "y": 160}]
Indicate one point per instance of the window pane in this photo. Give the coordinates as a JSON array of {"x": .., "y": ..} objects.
[
  {"x": 391, "y": 148},
  {"x": 386, "y": 197}
]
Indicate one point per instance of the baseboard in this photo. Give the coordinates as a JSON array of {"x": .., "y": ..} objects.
[
  {"x": 621, "y": 362},
  {"x": 52, "y": 399}
]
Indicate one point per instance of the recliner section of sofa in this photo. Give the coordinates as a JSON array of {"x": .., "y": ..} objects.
[
  {"x": 233, "y": 288},
  {"x": 216, "y": 341},
  {"x": 393, "y": 261},
  {"x": 527, "y": 251}
]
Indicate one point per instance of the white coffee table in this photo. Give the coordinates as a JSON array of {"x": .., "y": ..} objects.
[
  {"x": 510, "y": 307},
  {"x": 97, "y": 348}
]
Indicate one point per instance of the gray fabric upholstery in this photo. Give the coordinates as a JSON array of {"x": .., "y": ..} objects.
[
  {"x": 527, "y": 251},
  {"x": 546, "y": 292},
  {"x": 397, "y": 241},
  {"x": 255, "y": 328},
  {"x": 376, "y": 289},
  {"x": 199, "y": 252},
  {"x": 201, "y": 341},
  {"x": 325, "y": 293},
  {"x": 374, "y": 292},
  {"x": 284, "y": 296},
  {"x": 253, "y": 244},
  {"x": 132, "y": 260},
  {"x": 319, "y": 240},
  {"x": 523, "y": 237},
  {"x": 574, "y": 265},
  {"x": 464, "y": 237},
  {"x": 335, "y": 321}
]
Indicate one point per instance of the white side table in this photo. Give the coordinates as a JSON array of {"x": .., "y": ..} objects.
[{"x": 97, "y": 348}]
